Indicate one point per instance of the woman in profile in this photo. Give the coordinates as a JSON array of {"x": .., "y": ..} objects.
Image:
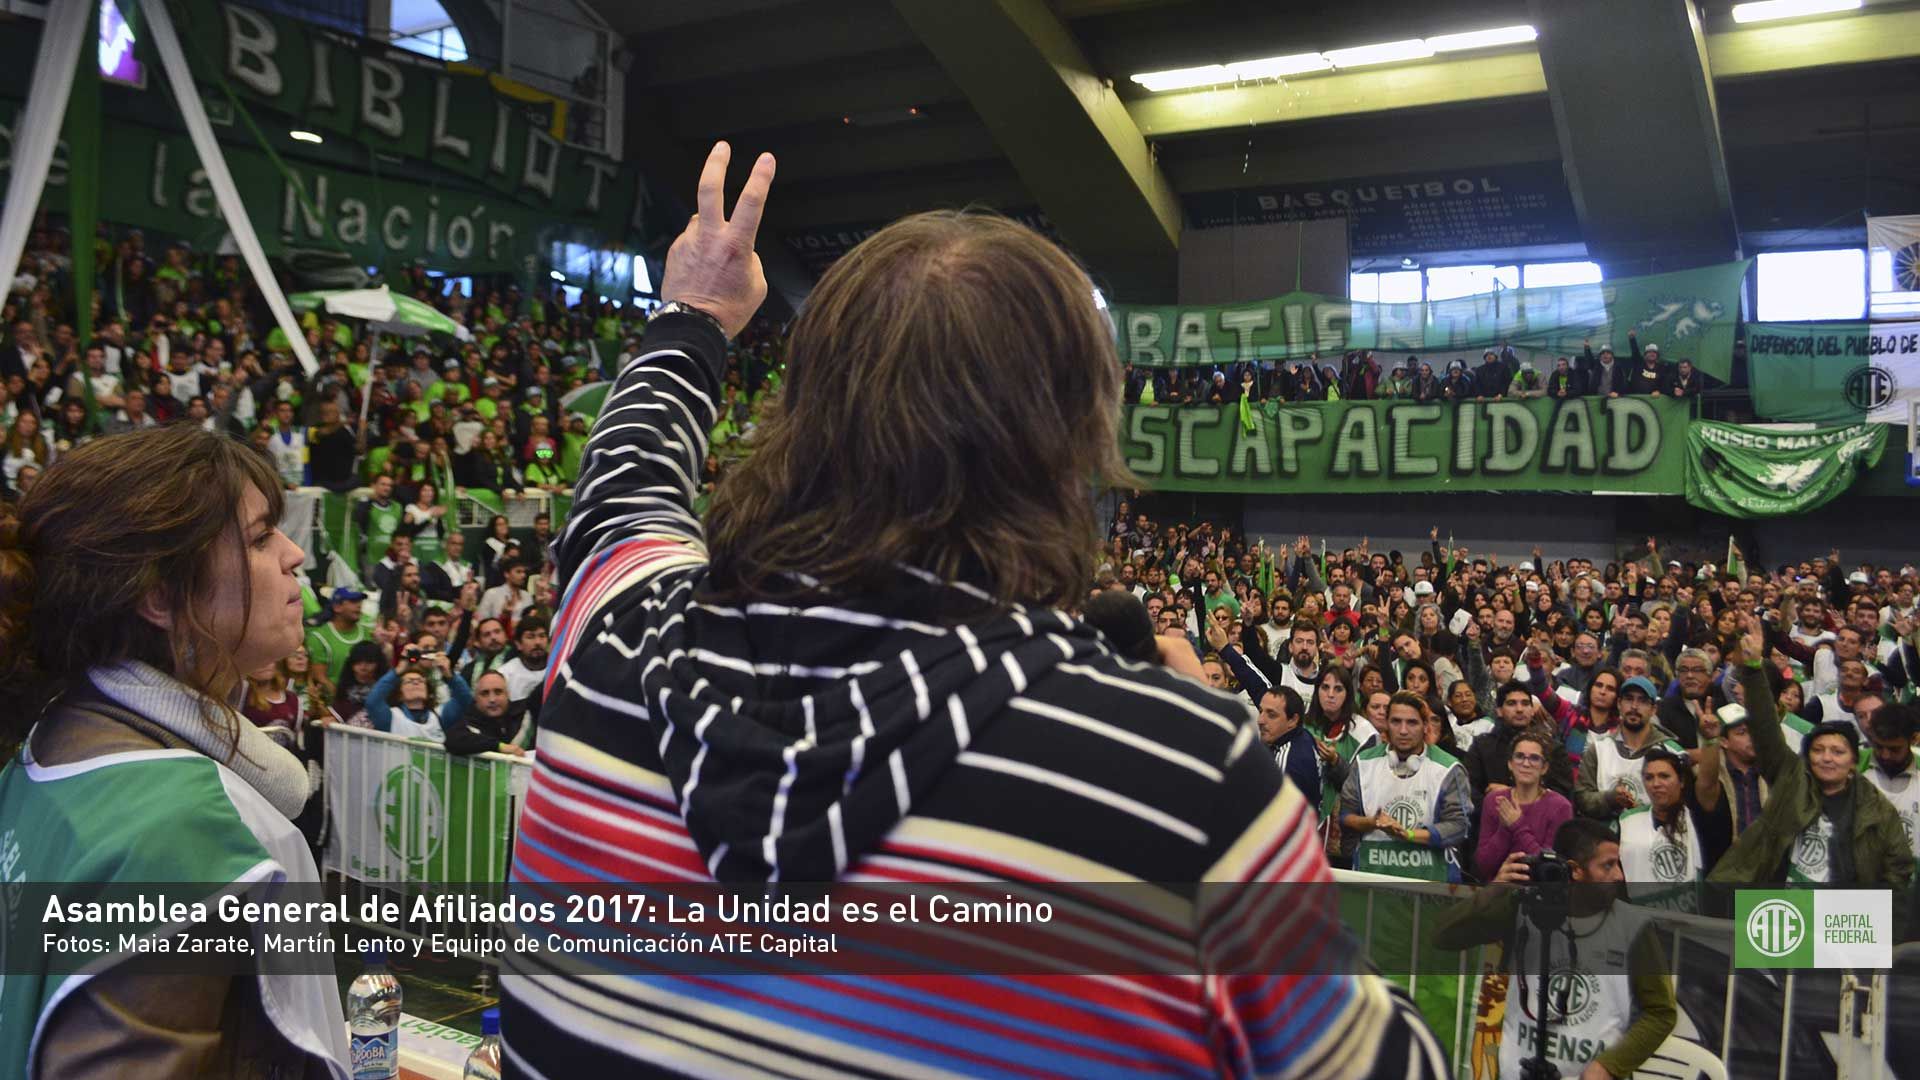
[{"x": 139, "y": 580}]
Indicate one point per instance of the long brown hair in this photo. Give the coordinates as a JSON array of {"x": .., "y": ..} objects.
[
  {"x": 152, "y": 512},
  {"x": 950, "y": 404}
]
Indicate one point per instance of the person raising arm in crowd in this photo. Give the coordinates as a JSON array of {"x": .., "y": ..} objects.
[{"x": 867, "y": 628}]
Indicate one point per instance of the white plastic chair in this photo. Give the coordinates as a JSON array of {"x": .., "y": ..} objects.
[{"x": 1682, "y": 1059}]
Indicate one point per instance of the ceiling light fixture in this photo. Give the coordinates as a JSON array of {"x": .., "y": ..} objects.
[
  {"x": 1483, "y": 39},
  {"x": 1184, "y": 78},
  {"x": 1390, "y": 52},
  {"x": 1275, "y": 67},
  {"x": 1768, "y": 10},
  {"x": 1387, "y": 52},
  {"x": 304, "y": 136}
]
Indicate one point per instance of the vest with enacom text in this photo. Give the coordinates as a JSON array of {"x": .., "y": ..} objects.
[{"x": 1413, "y": 801}]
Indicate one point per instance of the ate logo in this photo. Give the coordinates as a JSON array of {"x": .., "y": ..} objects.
[
  {"x": 1670, "y": 863},
  {"x": 1572, "y": 997},
  {"x": 1869, "y": 387},
  {"x": 1810, "y": 851},
  {"x": 1406, "y": 812}
]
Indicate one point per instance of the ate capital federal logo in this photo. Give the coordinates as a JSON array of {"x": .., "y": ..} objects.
[{"x": 1813, "y": 928}]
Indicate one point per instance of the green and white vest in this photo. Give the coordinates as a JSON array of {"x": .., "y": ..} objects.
[
  {"x": 163, "y": 815},
  {"x": 1590, "y": 1006},
  {"x": 1414, "y": 802},
  {"x": 1660, "y": 868},
  {"x": 1903, "y": 792},
  {"x": 1611, "y": 765}
]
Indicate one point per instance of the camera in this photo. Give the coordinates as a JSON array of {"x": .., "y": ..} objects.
[
  {"x": 412, "y": 654},
  {"x": 1547, "y": 868}
]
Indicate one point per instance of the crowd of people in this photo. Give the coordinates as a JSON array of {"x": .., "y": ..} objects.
[
  {"x": 1450, "y": 711},
  {"x": 179, "y": 335},
  {"x": 1361, "y": 376},
  {"x": 437, "y": 632}
]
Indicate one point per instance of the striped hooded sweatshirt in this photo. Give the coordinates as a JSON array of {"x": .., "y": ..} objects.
[{"x": 879, "y": 739}]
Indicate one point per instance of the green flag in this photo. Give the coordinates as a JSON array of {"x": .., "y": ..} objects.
[
  {"x": 1835, "y": 373},
  {"x": 1750, "y": 472},
  {"x": 1736, "y": 568}
]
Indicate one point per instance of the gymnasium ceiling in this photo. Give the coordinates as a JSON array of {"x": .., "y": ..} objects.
[{"x": 1683, "y": 137}]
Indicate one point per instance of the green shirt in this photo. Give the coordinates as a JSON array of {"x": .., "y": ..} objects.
[{"x": 327, "y": 647}]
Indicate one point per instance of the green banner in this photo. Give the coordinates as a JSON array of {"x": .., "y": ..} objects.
[
  {"x": 1751, "y": 472},
  {"x": 1834, "y": 373},
  {"x": 1690, "y": 314},
  {"x": 502, "y": 134},
  {"x": 153, "y": 179},
  {"x": 1629, "y": 444}
]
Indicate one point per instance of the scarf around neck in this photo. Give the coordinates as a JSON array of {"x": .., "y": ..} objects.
[{"x": 269, "y": 768}]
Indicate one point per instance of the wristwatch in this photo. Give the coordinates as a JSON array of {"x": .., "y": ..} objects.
[{"x": 675, "y": 307}]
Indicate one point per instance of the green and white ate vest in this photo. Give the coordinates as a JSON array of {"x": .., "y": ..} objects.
[
  {"x": 147, "y": 816},
  {"x": 1590, "y": 1006},
  {"x": 1414, "y": 802},
  {"x": 1661, "y": 869},
  {"x": 1612, "y": 766},
  {"x": 1903, "y": 792}
]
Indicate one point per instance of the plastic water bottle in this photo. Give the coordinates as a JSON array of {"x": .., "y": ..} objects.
[
  {"x": 373, "y": 1019},
  {"x": 484, "y": 1062}
]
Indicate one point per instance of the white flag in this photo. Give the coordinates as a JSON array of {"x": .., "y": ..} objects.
[{"x": 1901, "y": 237}]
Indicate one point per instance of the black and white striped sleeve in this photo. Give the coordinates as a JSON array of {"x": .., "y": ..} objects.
[{"x": 642, "y": 463}]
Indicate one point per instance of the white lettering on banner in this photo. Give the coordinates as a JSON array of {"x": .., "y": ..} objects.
[
  {"x": 1191, "y": 463},
  {"x": 497, "y": 163},
  {"x": 200, "y": 201},
  {"x": 499, "y": 234},
  {"x": 157, "y": 194},
  {"x": 433, "y": 222},
  {"x": 1143, "y": 334},
  {"x": 600, "y": 170},
  {"x": 442, "y": 139},
  {"x": 380, "y": 87},
  {"x": 460, "y": 237},
  {"x": 251, "y": 41},
  {"x": 1190, "y": 339},
  {"x": 352, "y": 226},
  {"x": 321, "y": 96},
  {"x": 404, "y": 218},
  {"x": 535, "y": 172},
  {"x": 1757, "y": 440},
  {"x": 1156, "y": 443},
  {"x": 1243, "y": 322}
]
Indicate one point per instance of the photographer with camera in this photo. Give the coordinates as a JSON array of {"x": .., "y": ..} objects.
[
  {"x": 414, "y": 715},
  {"x": 1610, "y": 1001}
]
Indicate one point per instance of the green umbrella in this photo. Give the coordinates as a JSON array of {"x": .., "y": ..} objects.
[{"x": 388, "y": 312}]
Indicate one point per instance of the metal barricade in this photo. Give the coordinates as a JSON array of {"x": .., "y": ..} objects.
[{"x": 1858, "y": 1040}]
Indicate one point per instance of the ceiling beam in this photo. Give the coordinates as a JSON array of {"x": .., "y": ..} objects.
[
  {"x": 1866, "y": 38},
  {"x": 1643, "y": 155},
  {"x": 1066, "y": 132},
  {"x": 1366, "y": 90},
  {"x": 1747, "y": 52}
]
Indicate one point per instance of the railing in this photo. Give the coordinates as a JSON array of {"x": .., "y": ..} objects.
[
  {"x": 405, "y": 811},
  {"x": 405, "y": 814},
  {"x": 1699, "y": 949}
]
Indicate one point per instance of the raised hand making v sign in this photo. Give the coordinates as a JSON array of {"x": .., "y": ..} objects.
[{"x": 712, "y": 266}]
